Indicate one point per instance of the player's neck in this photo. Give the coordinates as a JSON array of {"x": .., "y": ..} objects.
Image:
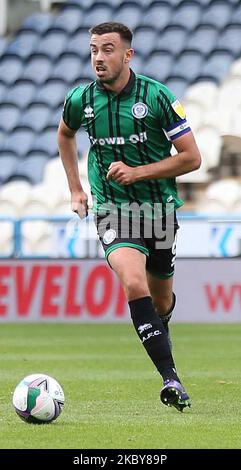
[{"x": 120, "y": 83}]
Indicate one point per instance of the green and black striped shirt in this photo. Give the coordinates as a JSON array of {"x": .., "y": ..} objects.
[{"x": 136, "y": 126}]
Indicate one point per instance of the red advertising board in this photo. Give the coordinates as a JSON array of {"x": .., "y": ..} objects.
[{"x": 89, "y": 291}]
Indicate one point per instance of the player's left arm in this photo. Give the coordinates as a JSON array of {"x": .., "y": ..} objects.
[{"x": 186, "y": 159}]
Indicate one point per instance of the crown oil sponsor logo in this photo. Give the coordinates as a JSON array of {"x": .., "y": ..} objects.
[{"x": 119, "y": 140}]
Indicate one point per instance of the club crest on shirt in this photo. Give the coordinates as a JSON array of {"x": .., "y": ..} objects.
[
  {"x": 109, "y": 236},
  {"x": 139, "y": 110},
  {"x": 176, "y": 105}
]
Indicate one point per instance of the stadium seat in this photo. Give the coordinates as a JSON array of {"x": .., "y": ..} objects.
[
  {"x": 14, "y": 196},
  {"x": 2, "y": 90},
  {"x": 187, "y": 14},
  {"x": 83, "y": 142},
  {"x": 159, "y": 65},
  {"x": 7, "y": 167},
  {"x": 53, "y": 44},
  {"x": 224, "y": 194},
  {"x": 79, "y": 44},
  {"x": 38, "y": 68},
  {"x": 173, "y": 39},
  {"x": 101, "y": 13},
  {"x": 145, "y": 40},
  {"x": 36, "y": 117},
  {"x": 188, "y": 65},
  {"x": 129, "y": 13},
  {"x": 46, "y": 142},
  {"x": 137, "y": 63},
  {"x": 55, "y": 167},
  {"x": 230, "y": 39},
  {"x": 52, "y": 93},
  {"x": 35, "y": 238},
  {"x": 68, "y": 68},
  {"x": 10, "y": 69},
  {"x": 31, "y": 169},
  {"x": 209, "y": 143},
  {"x": 19, "y": 141},
  {"x": 55, "y": 117},
  {"x": 69, "y": 20},
  {"x": 205, "y": 93},
  {"x": 24, "y": 44},
  {"x": 3, "y": 45},
  {"x": 229, "y": 99},
  {"x": 194, "y": 112},
  {"x": 236, "y": 14},
  {"x": 38, "y": 22},
  {"x": 6, "y": 237},
  {"x": 217, "y": 65},
  {"x": 9, "y": 117},
  {"x": 158, "y": 15},
  {"x": 235, "y": 69},
  {"x": 19, "y": 94},
  {"x": 218, "y": 14},
  {"x": 204, "y": 38}
]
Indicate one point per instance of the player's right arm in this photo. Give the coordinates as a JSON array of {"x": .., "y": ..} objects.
[{"x": 69, "y": 156}]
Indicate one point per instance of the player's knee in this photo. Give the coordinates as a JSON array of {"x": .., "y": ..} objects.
[
  {"x": 135, "y": 287},
  {"x": 163, "y": 305}
]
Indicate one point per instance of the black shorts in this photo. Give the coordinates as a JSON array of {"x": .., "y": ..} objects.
[{"x": 155, "y": 238}]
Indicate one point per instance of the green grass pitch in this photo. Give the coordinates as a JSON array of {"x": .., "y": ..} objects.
[{"x": 112, "y": 388}]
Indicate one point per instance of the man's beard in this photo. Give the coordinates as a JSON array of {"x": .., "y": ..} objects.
[{"x": 112, "y": 79}]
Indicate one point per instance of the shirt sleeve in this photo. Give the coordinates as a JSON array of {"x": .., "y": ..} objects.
[
  {"x": 73, "y": 109},
  {"x": 173, "y": 117}
]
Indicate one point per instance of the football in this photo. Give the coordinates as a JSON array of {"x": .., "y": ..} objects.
[{"x": 38, "y": 399}]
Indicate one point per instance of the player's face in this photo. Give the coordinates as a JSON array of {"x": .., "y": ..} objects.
[{"x": 109, "y": 56}]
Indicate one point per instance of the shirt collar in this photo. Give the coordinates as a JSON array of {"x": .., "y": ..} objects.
[{"x": 126, "y": 90}]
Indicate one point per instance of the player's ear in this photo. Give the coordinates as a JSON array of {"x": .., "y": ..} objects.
[{"x": 128, "y": 56}]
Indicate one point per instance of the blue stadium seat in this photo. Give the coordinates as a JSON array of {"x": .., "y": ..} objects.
[
  {"x": 20, "y": 93},
  {"x": 38, "y": 68},
  {"x": 218, "y": 13},
  {"x": 31, "y": 169},
  {"x": 69, "y": 20},
  {"x": 52, "y": 93},
  {"x": 53, "y": 43},
  {"x": 55, "y": 117},
  {"x": 9, "y": 117},
  {"x": 46, "y": 142},
  {"x": 204, "y": 38},
  {"x": 145, "y": 39},
  {"x": 39, "y": 22},
  {"x": 80, "y": 43},
  {"x": 188, "y": 65},
  {"x": 3, "y": 45},
  {"x": 129, "y": 13},
  {"x": 158, "y": 15},
  {"x": 87, "y": 70},
  {"x": 24, "y": 44},
  {"x": 2, "y": 90},
  {"x": 83, "y": 143},
  {"x": 236, "y": 14},
  {"x": 178, "y": 85},
  {"x": 19, "y": 141},
  {"x": 10, "y": 69},
  {"x": 217, "y": 65},
  {"x": 231, "y": 39},
  {"x": 35, "y": 117},
  {"x": 173, "y": 39},
  {"x": 101, "y": 13},
  {"x": 137, "y": 63},
  {"x": 68, "y": 68},
  {"x": 7, "y": 167},
  {"x": 159, "y": 65},
  {"x": 188, "y": 15}
]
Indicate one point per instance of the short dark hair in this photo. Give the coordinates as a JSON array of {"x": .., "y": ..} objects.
[{"x": 113, "y": 27}]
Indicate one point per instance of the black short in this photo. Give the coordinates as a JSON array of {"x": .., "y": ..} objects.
[{"x": 155, "y": 238}]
